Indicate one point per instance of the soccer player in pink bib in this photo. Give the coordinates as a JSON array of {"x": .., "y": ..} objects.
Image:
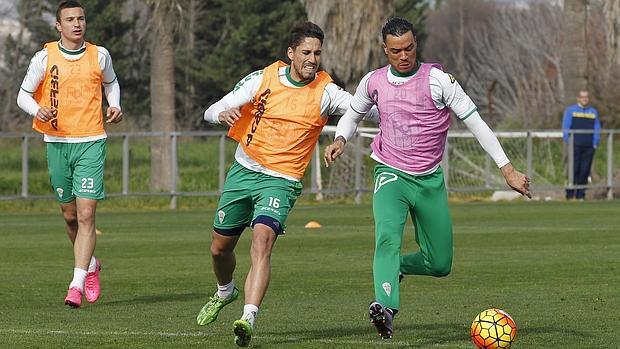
[{"x": 414, "y": 100}]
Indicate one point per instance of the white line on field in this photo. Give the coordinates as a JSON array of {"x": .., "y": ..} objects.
[
  {"x": 109, "y": 333},
  {"x": 203, "y": 334}
]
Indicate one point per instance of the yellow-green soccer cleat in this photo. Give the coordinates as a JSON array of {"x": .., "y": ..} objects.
[
  {"x": 243, "y": 332},
  {"x": 209, "y": 312}
]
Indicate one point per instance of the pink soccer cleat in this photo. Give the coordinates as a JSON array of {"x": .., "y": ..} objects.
[
  {"x": 74, "y": 297},
  {"x": 92, "y": 290}
]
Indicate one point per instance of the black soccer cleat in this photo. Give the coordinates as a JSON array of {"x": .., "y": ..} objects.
[{"x": 381, "y": 318}]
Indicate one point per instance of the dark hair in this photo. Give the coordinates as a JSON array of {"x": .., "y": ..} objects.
[
  {"x": 396, "y": 26},
  {"x": 304, "y": 30},
  {"x": 66, "y": 4}
]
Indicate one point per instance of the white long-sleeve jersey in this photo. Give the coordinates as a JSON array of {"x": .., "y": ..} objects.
[
  {"x": 446, "y": 92},
  {"x": 36, "y": 73},
  {"x": 334, "y": 102}
]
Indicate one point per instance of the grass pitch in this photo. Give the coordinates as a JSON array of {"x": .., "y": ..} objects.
[{"x": 552, "y": 266}]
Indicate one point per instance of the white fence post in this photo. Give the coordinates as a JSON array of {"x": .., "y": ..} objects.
[
  {"x": 358, "y": 169},
  {"x": 571, "y": 159},
  {"x": 445, "y": 164},
  {"x": 125, "y": 165},
  {"x": 25, "y": 166},
  {"x": 528, "y": 158},
  {"x": 174, "y": 166},
  {"x": 222, "y": 163},
  {"x": 610, "y": 165},
  {"x": 317, "y": 179}
]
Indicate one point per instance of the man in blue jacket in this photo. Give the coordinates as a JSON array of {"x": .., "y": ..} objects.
[{"x": 581, "y": 116}]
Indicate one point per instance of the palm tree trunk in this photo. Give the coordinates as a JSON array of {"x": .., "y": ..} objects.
[
  {"x": 611, "y": 9},
  {"x": 162, "y": 97},
  {"x": 352, "y": 45},
  {"x": 574, "y": 48}
]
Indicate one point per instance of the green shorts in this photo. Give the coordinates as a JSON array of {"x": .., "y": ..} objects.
[
  {"x": 251, "y": 197},
  {"x": 76, "y": 169}
]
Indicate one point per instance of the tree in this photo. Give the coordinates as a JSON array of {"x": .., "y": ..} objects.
[
  {"x": 234, "y": 38},
  {"x": 522, "y": 74},
  {"x": 415, "y": 11},
  {"x": 212, "y": 49},
  {"x": 162, "y": 90},
  {"x": 511, "y": 66},
  {"x": 106, "y": 26},
  {"x": 574, "y": 48},
  {"x": 118, "y": 26},
  {"x": 185, "y": 52},
  {"x": 449, "y": 28},
  {"x": 353, "y": 40},
  {"x": 611, "y": 10},
  {"x": 32, "y": 31},
  {"x": 604, "y": 61}
]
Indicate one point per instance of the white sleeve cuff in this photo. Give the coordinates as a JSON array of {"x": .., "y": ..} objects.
[{"x": 212, "y": 114}]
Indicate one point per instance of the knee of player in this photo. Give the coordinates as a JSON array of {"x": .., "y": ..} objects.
[
  {"x": 260, "y": 252},
  {"x": 86, "y": 218},
  {"x": 220, "y": 250},
  {"x": 70, "y": 218},
  {"x": 216, "y": 251},
  {"x": 388, "y": 241},
  {"x": 441, "y": 268},
  {"x": 86, "y": 214},
  {"x": 262, "y": 245}
]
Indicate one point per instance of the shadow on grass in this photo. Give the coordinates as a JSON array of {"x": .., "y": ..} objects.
[
  {"x": 157, "y": 298},
  {"x": 408, "y": 335},
  {"x": 405, "y": 335}
]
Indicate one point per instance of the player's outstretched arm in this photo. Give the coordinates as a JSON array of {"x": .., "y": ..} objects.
[
  {"x": 227, "y": 109},
  {"x": 334, "y": 150},
  {"x": 344, "y": 130},
  {"x": 516, "y": 180}
]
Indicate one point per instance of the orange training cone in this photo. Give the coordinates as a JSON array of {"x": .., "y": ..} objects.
[{"x": 313, "y": 225}]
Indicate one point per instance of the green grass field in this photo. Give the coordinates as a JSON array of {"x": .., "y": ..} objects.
[{"x": 552, "y": 266}]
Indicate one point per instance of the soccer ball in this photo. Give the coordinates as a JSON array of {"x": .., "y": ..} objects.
[{"x": 493, "y": 329}]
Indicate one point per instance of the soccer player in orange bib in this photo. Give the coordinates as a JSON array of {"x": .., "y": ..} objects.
[
  {"x": 276, "y": 115},
  {"x": 62, "y": 91}
]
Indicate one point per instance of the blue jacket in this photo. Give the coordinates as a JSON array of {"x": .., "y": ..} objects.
[{"x": 577, "y": 117}]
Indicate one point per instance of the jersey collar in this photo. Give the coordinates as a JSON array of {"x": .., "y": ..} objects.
[
  {"x": 72, "y": 52},
  {"x": 287, "y": 72},
  {"x": 405, "y": 75}
]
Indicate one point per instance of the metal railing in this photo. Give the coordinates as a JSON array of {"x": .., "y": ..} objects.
[{"x": 486, "y": 181}]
